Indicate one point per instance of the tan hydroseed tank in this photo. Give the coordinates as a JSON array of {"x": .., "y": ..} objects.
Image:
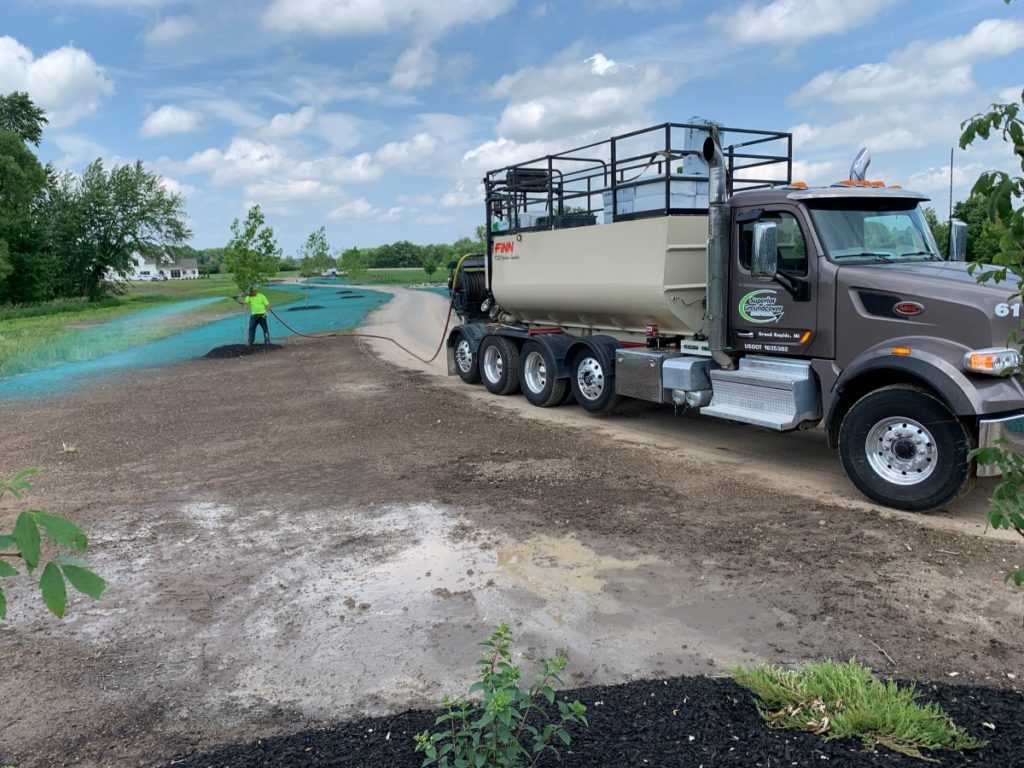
[{"x": 612, "y": 278}]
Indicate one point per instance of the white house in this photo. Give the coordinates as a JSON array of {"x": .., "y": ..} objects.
[{"x": 151, "y": 269}]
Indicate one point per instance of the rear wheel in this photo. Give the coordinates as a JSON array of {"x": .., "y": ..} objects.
[
  {"x": 537, "y": 376},
  {"x": 593, "y": 385},
  {"x": 499, "y": 365},
  {"x": 465, "y": 360},
  {"x": 903, "y": 448}
]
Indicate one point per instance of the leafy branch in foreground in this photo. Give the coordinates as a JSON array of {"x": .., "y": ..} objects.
[
  {"x": 25, "y": 543},
  {"x": 846, "y": 701},
  {"x": 1003, "y": 195},
  {"x": 490, "y": 733}
]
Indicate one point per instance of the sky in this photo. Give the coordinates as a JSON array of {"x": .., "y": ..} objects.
[{"x": 377, "y": 118}]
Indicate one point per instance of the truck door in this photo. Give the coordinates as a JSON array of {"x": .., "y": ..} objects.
[{"x": 772, "y": 315}]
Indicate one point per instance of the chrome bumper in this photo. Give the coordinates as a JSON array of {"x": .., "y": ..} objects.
[{"x": 1009, "y": 429}]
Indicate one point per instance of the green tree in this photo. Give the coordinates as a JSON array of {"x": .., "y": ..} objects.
[
  {"x": 96, "y": 223},
  {"x": 252, "y": 255},
  {"x": 22, "y": 181},
  {"x": 982, "y": 232},
  {"x": 315, "y": 254},
  {"x": 21, "y": 117},
  {"x": 352, "y": 264},
  {"x": 1003, "y": 195},
  {"x": 940, "y": 229},
  {"x": 430, "y": 267}
]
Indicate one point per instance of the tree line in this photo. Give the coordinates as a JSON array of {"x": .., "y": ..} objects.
[{"x": 64, "y": 236}]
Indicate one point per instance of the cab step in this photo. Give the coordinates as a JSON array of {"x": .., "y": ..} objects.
[{"x": 766, "y": 391}]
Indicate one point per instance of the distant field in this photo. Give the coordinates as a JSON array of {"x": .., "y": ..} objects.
[
  {"x": 39, "y": 335},
  {"x": 403, "y": 276}
]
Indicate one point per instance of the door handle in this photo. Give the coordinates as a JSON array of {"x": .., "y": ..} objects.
[{"x": 745, "y": 334}]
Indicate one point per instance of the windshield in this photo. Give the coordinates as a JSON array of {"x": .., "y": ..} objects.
[{"x": 887, "y": 232}]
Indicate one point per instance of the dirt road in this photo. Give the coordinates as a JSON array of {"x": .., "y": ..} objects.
[{"x": 301, "y": 536}]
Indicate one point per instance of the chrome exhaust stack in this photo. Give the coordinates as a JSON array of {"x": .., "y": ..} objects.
[{"x": 718, "y": 253}]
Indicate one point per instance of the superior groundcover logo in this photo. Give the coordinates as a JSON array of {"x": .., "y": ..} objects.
[{"x": 761, "y": 307}]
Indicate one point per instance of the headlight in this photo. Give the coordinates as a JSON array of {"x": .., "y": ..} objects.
[{"x": 995, "y": 361}]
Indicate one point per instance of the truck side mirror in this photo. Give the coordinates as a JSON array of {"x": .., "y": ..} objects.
[
  {"x": 957, "y": 240},
  {"x": 765, "y": 262}
]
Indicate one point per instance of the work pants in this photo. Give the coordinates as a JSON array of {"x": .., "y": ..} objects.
[{"x": 261, "y": 321}]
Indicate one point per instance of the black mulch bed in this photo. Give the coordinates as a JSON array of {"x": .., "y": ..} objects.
[
  {"x": 352, "y": 296},
  {"x": 240, "y": 350},
  {"x": 302, "y": 309},
  {"x": 344, "y": 292},
  {"x": 695, "y": 721}
]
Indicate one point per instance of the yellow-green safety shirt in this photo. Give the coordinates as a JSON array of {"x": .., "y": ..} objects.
[{"x": 258, "y": 303}]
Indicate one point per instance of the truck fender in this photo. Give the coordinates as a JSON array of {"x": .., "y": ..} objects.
[
  {"x": 557, "y": 345},
  {"x": 930, "y": 362},
  {"x": 603, "y": 347}
]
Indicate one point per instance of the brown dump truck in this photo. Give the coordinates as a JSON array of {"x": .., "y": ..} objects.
[{"x": 681, "y": 264}]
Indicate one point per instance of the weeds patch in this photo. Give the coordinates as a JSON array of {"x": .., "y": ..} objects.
[{"x": 847, "y": 701}]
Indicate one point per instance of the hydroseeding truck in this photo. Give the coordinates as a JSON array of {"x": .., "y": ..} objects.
[{"x": 681, "y": 264}]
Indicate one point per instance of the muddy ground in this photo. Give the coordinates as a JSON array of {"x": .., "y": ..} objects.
[{"x": 318, "y": 533}]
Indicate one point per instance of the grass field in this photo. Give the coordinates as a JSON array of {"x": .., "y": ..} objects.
[
  {"x": 403, "y": 276},
  {"x": 34, "y": 337}
]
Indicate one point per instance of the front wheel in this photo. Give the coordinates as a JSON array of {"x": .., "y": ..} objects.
[{"x": 903, "y": 448}]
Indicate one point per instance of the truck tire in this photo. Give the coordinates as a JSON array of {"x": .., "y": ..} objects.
[
  {"x": 537, "y": 376},
  {"x": 465, "y": 361},
  {"x": 903, "y": 448},
  {"x": 499, "y": 365},
  {"x": 592, "y": 385}
]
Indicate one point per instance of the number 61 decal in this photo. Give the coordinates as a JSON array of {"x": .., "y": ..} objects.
[{"x": 1005, "y": 309}]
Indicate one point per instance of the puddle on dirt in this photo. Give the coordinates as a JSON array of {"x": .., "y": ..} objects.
[{"x": 337, "y": 611}]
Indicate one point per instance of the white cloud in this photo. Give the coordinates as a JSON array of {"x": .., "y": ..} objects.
[
  {"x": 353, "y": 209},
  {"x": 922, "y": 70},
  {"x": 170, "y": 30},
  {"x": 795, "y": 21},
  {"x": 446, "y": 127},
  {"x": 65, "y": 82},
  {"x": 244, "y": 161},
  {"x": 572, "y": 94},
  {"x": 353, "y": 18},
  {"x": 415, "y": 68},
  {"x": 936, "y": 179},
  {"x": 290, "y": 123},
  {"x": 289, "y": 190},
  {"x": 461, "y": 196},
  {"x": 170, "y": 119},
  {"x": 176, "y": 187},
  {"x": 410, "y": 155}
]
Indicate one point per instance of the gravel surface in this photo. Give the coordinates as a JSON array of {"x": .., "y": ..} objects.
[{"x": 318, "y": 535}]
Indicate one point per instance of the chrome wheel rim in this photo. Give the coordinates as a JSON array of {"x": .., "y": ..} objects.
[
  {"x": 590, "y": 378},
  {"x": 494, "y": 364},
  {"x": 901, "y": 451},
  {"x": 464, "y": 356},
  {"x": 535, "y": 372}
]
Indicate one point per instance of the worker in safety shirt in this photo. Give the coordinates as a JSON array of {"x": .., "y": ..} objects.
[{"x": 258, "y": 306}]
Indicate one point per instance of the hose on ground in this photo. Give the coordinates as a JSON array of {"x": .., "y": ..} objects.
[{"x": 440, "y": 345}]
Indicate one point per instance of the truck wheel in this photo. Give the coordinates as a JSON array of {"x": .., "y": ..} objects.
[
  {"x": 465, "y": 362},
  {"x": 592, "y": 386},
  {"x": 903, "y": 448},
  {"x": 537, "y": 376},
  {"x": 499, "y": 365}
]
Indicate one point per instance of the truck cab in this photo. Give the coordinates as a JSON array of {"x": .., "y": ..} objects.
[{"x": 702, "y": 276}]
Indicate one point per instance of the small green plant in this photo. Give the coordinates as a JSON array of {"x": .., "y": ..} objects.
[
  {"x": 26, "y": 542},
  {"x": 846, "y": 701},
  {"x": 495, "y": 731}
]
